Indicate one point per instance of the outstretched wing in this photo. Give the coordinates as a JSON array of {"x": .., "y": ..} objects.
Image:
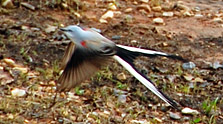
[{"x": 82, "y": 65}]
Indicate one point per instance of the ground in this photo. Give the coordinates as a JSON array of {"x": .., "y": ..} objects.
[{"x": 31, "y": 49}]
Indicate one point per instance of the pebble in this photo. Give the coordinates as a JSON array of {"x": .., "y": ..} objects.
[
  {"x": 7, "y": 4},
  {"x": 121, "y": 76},
  {"x": 186, "y": 118},
  {"x": 189, "y": 111},
  {"x": 144, "y": 7},
  {"x": 168, "y": 14},
  {"x": 18, "y": 92},
  {"x": 171, "y": 78},
  {"x": 144, "y": 1},
  {"x": 9, "y": 62},
  {"x": 122, "y": 98},
  {"x": 157, "y": 8},
  {"x": 158, "y": 21},
  {"x": 21, "y": 69},
  {"x": 133, "y": 41},
  {"x": 27, "y": 5},
  {"x": 180, "y": 5},
  {"x": 129, "y": 18},
  {"x": 188, "y": 14},
  {"x": 198, "y": 15},
  {"x": 217, "y": 19},
  {"x": 116, "y": 37},
  {"x": 50, "y": 29},
  {"x": 197, "y": 9},
  {"x": 188, "y": 77},
  {"x": 188, "y": 65},
  {"x": 157, "y": 119},
  {"x": 107, "y": 15},
  {"x": 217, "y": 65},
  {"x": 174, "y": 116},
  {"x": 64, "y": 5},
  {"x": 128, "y": 10},
  {"x": 112, "y": 6}
]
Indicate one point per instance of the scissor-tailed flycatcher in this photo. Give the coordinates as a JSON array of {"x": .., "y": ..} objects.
[{"x": 89, "y": 50}]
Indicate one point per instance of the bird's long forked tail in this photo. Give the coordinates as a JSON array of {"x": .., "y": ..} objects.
[
  {"x": 145, "y": 81},
  {"x": 149, "y": 53}
]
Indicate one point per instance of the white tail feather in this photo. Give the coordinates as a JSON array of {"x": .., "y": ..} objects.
[
  {"x": 144, "y": 81},
  {"x": 150, "y": 52}
]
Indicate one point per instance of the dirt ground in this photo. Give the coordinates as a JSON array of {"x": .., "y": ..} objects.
[{"x": 31, "y": 49}]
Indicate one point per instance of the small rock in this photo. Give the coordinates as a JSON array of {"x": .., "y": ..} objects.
[
  {"x": 180, "y": 5},
  {"x": 198, "y": 15},
  {"x": 197, "y": 79},
  {"x": 52, "y": 83},
  {"x": 197, "y": 9},
  {"x": 144, "y": 1},
  {"x": 5, "y": 77},
  {"x": 128, "y": 10},
  {"x": 21, "y": 69},
  {"x": 157, "y": 8},
  {"x": 158, "y": 21},
  {"x": 167, "y": 6},
  {"x": 121, "y": 76},
  {"x": 23, "y": 27},
  {"x": 165, "y": 44},
  {"x": 77, "y": 14},
  {"x": 189, "y": 111},
  {"x": 9, "y": 62},
  {"x": 122, "y": 98},
  {"x": 188, "y": 77},
  {"x": 144, "y": 7},
  {"x": 139, "y": 122},
  {"x": 7, "y": 4},
  {"x": 157, "y": 119},
  {"x": 186, "y": 118},
  {"x": 217, "y": 19},
  {"x": 174, "y": 116},
  {"x": 191, "y": 85},
  {"x": 112, "y": 6},
  {"x": 116, "y": 37},
  {"x": 164, "y": 108},
  {"x": 171, "y": 78},
  {"x": 168, "y": 14},
  {"x": 64, "y": 5},
  {"x": 27, "y": 5},
  {"x": 128, "y": 18},
  {"x": 18, "y": 92},
  {"x": 35, "y": 29},
  {"x": 217, "y": 65},
  {"x": 107, "y": 15},
  {"x": 188, "y": 65},
  {"x": 123, "y": 115},
  {"x": 50, "y": 29},
  {"x": 188, "y": 14},
  {"x": 133, "y": 41}
]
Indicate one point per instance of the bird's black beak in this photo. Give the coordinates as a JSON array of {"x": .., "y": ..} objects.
[{"x": 63, "y": 29}]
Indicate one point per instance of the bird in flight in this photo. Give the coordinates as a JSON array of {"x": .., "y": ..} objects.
[{"x": 89, "y": 50}]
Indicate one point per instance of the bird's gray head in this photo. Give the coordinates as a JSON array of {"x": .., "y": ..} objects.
[{"x": 73, "y": 32}]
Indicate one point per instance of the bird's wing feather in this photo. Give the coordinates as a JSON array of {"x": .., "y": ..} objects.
[
  {"x": 81, "y": 65},
  {"x": 68, "y": 54}
]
